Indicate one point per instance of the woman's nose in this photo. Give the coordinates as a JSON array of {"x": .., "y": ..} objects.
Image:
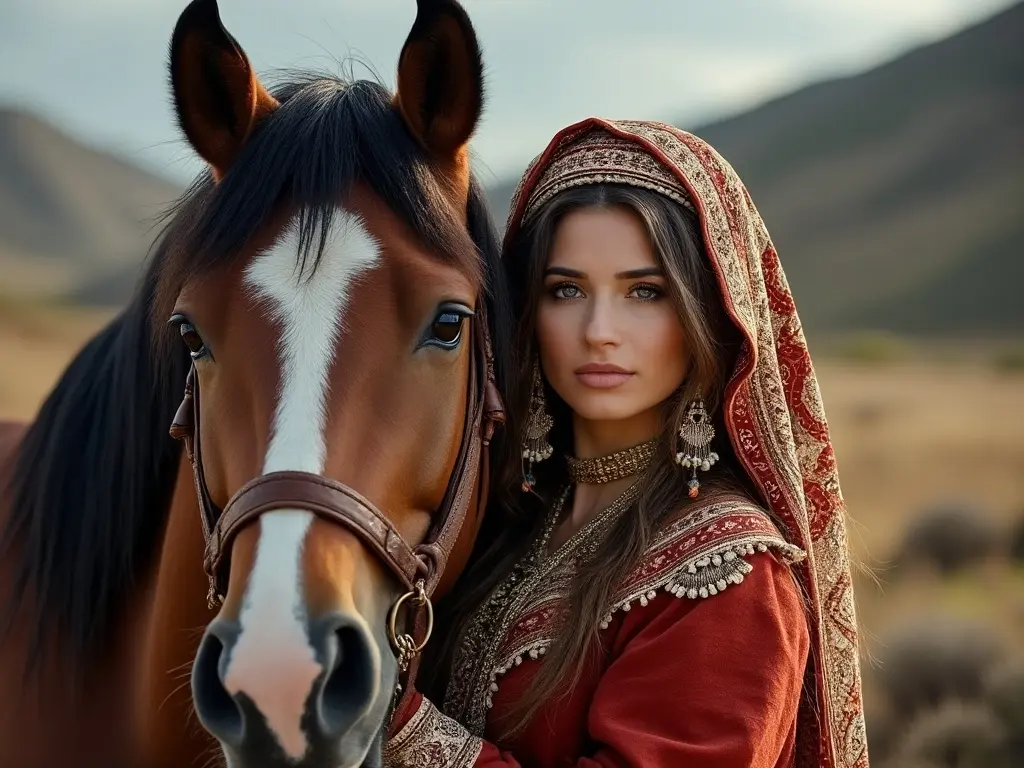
[{"x": 601, "y": 323}]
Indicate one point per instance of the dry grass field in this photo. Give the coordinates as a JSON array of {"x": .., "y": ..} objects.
[
  {"x": 909, "y": 435},
  {"x": 36, "y": 342}
]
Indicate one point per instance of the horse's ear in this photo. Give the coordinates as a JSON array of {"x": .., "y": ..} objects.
[
  {"x": 440, "y": 79},
  {"x": 217, "y": 96}
]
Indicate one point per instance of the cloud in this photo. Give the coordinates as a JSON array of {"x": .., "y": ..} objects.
[
  {"x": 99, "y": 67},
  {"x": 939, "y": 17}
]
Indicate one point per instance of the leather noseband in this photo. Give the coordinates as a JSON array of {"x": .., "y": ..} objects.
[{"x": 338, "y": 503}]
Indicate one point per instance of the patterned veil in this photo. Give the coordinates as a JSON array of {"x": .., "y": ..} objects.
[{"x": 773, "y": 409}]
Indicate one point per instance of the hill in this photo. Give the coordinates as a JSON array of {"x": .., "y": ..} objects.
[
  {"x": 895, "y": 197},
  {"x": 73, "y": 220}
]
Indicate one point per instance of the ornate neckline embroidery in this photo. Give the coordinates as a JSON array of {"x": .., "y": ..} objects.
[
  {"x": 695, "y": 557},
  {"x": 476, "y": 668}
]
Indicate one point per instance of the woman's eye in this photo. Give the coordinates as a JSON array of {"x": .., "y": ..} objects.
[
  {"x": 447, "y": 328},
  {"x": 192, "y": 339},
  {"x": 647, "y": 292},
  {"x": 567, "y": 291}
]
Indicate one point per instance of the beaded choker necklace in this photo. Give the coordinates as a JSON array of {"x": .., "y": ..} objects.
[{"x": 605, "y": 469}]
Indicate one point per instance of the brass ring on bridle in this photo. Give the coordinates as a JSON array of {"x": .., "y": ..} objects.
[{"x": 405, "y": 644}]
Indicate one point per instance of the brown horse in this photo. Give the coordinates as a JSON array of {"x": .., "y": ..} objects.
[{"x": 334, "y": 281}]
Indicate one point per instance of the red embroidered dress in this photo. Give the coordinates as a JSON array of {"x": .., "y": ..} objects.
[{"x": 733, "y": 642}]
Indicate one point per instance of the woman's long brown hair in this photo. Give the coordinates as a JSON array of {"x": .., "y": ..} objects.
[{"x": 514, "y": 518}]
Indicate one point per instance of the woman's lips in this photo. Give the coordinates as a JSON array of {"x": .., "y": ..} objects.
[{"x": 602, "y": 375}]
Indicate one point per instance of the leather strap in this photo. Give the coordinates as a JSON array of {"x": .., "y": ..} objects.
[
  {"x": 185, "y": 427},
  {"x": 330, "y": 500},
  {"x": 337, "y": 502}
]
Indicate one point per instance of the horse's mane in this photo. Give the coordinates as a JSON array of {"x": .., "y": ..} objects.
[{"x": 95, "y": 471}]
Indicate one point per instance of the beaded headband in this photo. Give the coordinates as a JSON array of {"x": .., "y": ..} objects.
[{"x": 598, "y": 157}]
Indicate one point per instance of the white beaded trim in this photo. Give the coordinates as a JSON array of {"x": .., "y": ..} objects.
[
  {"x": 534, "y": 651},
  {"x": 698, "y": 579},
  {"x": 694, "y": 580}
]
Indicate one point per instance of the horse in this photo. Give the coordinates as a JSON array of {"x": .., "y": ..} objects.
[{"x": 329, "y": 289}]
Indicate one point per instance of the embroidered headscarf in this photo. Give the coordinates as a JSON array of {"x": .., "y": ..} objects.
[{"x": 772, "y": 408}]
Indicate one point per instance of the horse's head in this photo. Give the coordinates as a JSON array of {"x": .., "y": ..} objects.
[{"x": 330, "y": 286}]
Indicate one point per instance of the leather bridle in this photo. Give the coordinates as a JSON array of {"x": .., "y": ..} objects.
[{"x": 419, "y": 567}]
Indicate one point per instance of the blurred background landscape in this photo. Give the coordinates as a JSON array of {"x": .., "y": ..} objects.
[{"x": 891, "y": 179}]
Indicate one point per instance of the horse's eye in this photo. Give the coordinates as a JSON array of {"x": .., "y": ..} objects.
[
  {"x": 447, "y": 328},
  {"x": 192, "y": 339}
]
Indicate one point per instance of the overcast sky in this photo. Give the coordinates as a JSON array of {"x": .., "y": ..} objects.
[{"x": 98, "y": 67}]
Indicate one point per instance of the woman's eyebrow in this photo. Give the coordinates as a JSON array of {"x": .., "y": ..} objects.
[
  {"x": 564, "y": 272},
  {"x": 629, "y": 274}
]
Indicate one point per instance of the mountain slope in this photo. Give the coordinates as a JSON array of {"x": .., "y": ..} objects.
[
  {"x": 69, "y": 215},
  {"x": 894, "y": 197}
]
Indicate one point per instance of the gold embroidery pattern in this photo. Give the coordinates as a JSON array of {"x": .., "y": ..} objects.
[
  {"x": 694, "y": 558},
  {"x": 533, "y": 586},
  {"x": 620, "y": 161},
  {"x": 431, "y": 740},
  {"x": 702, "y": 554},
  {"x": 773, "y": 409}
]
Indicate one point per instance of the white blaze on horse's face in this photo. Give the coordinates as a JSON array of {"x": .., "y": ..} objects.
[{"x": 309, "y": 313}]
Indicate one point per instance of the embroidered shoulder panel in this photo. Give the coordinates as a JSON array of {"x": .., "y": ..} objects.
[
  {"x": 702, "y": 554},
  {"x": 431, "y": 740},
  {"x": 695, "y": 557}
]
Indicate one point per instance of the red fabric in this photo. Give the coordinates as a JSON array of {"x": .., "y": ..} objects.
[
  {"x": 773, "y": 413},
  {"x": 713, "y": 683}
]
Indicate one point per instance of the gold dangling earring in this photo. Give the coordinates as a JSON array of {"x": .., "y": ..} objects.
[
  {"x": 696, "y": 433},
  {"x": 535, "y": 434}
]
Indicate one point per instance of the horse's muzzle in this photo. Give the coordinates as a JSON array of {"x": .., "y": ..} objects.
[{"x": 335, "y": 719}]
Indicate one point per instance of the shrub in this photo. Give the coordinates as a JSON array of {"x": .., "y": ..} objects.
[
  {"x": 1009, "y": 361},
  {"x": 1017, "y": 540},
  {"x": 949, "y": 537},
  {"x": 925, "y": 663},
  {"x": 1004, "y": 692},
  {"x": 955, "y": 735}
]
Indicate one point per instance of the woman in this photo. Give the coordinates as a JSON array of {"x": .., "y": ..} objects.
[{"x": 667, "y": 581}]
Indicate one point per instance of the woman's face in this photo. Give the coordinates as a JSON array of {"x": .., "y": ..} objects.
[{"x": 610, "y": 339}]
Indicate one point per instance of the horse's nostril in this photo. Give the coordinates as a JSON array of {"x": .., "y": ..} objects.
[
  {"x": 217, "y": 709},
  {"x": 275, "y": 704},
  {"x": 348, "y": 688}
]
